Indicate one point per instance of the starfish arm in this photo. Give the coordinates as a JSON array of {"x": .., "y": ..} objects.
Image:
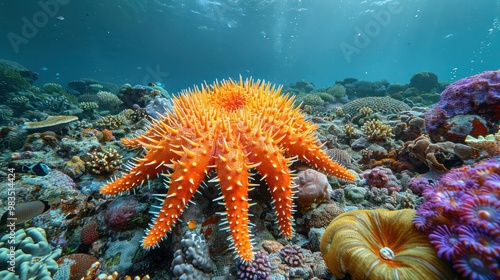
[
  {"x": 274, "y": 168},
  {"x": 159, "y": 128},
  {"x": 304, "y": 146},
  {"x": 232, "y": 170},
  {"x": 189, "y": 172},
  {"x": 153, "y": 164}
]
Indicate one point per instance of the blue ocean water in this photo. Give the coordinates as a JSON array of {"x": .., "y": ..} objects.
[{"x": 181, "y": 43}]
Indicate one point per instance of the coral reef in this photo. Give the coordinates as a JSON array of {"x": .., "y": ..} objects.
[
  {"x": 461, "y": 215},
  {"x": 15, "y": 77},
  {"x": 259, "y": 268},
  {"x": 381, "y": 177},
  {"x": 74, "y": 168},
  {"x": 424, "y": 81},
  {"x": 122, "y": 213},
  {"x": 380, "y": 244}
]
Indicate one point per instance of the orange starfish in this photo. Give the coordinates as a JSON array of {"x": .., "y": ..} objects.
[{"x": 229, "y": 127}]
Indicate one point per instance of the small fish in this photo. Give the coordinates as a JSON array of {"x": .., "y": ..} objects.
[
  {"x": 70, "y": 216},
  {"x": 38, "y": 169},
  {"x": 44, "y": 68},
  {"x": 449, "y": 35},
  {"x": 60, "y": 18},
  {"x": 25, "y": 211},
  {"x": 57, "y": 74},
  {"x": 264, "y": 35}
]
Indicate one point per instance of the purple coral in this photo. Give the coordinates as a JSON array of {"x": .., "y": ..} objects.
[
  {"x": 461, "y": 214},
  {"x": 418, "y": 184},
  {"x": 478, "y": 94},
  {"x": 259, "y": 268}
]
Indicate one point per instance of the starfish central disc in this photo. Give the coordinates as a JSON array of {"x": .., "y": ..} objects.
[{"x": 228, "y": 127}]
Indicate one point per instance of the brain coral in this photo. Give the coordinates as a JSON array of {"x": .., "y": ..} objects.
[
  {"x": 385, "y": 105},
  {"x": 380, "y": 244},
  {"x": 479, "y": 95}
]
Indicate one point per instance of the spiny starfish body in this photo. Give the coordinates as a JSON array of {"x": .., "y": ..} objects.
[{"x": 229, "y": 127}]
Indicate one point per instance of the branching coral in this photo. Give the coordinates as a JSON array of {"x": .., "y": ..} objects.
[
  {"x": 375, "y": 129},
  {"x": 461, "y": 214},
  {"x": 103, "y": 161}
]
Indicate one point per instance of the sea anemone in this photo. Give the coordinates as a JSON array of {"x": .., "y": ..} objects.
[
  {"x": 492, "y": 186},
  {"x": 480, "y": 240},
  {"x": 380, "y": 244},
  {"x": 448, "y": 200},
  {"x": 446, "y": 240},
  {"x": 481, "y": 211},
  {"x": 476, "y": 267},
  {"x": 465, "y": 206}
]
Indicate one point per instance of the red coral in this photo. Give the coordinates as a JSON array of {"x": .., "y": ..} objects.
[{"x": 90, "y": 232}]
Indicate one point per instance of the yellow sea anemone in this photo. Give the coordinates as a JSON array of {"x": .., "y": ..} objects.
[{"x": 380, "y": 244}]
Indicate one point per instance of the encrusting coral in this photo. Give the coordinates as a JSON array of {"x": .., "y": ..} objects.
[
  {"x": 380, "y": 244},
  {"x": 229, "y": 127}
]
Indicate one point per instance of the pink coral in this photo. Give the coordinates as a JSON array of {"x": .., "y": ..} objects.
[
  {"x": 313, "y": 188},
  {"x": 381, "y": 177}
]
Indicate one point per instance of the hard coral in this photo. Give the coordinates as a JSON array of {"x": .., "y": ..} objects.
[
  {"x": 259, "y": 268},
  {"x": 121, "y": 212},
  {"x": 375, "y": 129},
  {"x": 461, "y": 215},
  {"x": 385, "y": 105},
  {"x": 381, "y": 177},
  {"x": 312, "y": 189},
  {"x": 474, "y": 95},
  {"x": 380, "y": 244},
  {"x": 74, "y": 266},
  {"x": 74, "y": 168},
  {"x": 103, "y": 161}
]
